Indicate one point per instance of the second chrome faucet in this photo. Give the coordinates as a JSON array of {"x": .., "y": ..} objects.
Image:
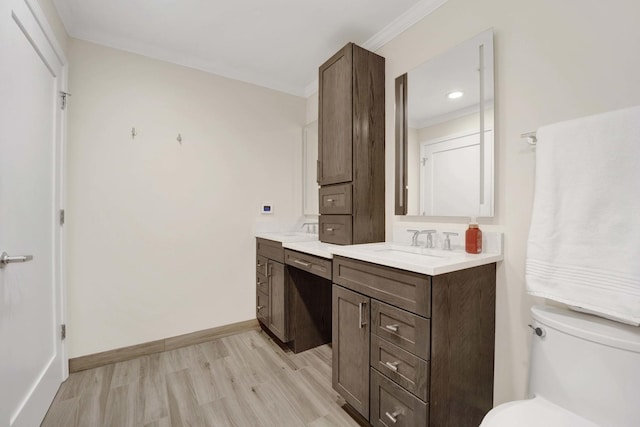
[{"x": 446, "y": 244}]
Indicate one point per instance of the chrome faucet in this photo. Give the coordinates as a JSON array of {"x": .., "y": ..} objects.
[
  {"x": 447, "y": 242},
  {"x": 417, "y": 233},
  {"x": 414, "y": 238},
  {"x": 308, "y": 225}
]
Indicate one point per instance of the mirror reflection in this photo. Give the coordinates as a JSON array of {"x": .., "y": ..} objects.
[
  {"x": 310, "y": 202},
  {"x": 444, "y": 132}
]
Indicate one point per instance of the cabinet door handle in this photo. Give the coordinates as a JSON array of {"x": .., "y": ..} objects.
[
  {"x": 258, "y": 283},
  {"x": 393, "y": 328},
  {"x": 392, "y": 365},
  {"x": 260, "y": 307},
  {"x": 330, "y": 200},
  {"x": 266, "y": 269},
  {"x": 329, "y": 230},
  {"x": 394, "y": 416},
  {"x": 361, "y": 324},
  {"x": 302, "y": 263}
]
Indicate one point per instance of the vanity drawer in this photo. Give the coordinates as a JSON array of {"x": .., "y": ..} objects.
[
  {"x": 404, "y": 289},
  {"x": 336, "y": 229},
  {"x": 270, "y": 249},
  {"x": 406, "y": 330},
  {"x": 392, "y": 406},
  {"x": 335, "y": 199},
  {"x": 262, "y": 283},
  {"x": 262, "y": 307},
  {"x": 312, "y": 264},
  {"x": 262, "y": 265},
  {"x": 404, "y": 368}
]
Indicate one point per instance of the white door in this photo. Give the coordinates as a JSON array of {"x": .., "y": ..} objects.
[
  {"x": 32, "y": 73},
  {"x": 456, "y": 175}
]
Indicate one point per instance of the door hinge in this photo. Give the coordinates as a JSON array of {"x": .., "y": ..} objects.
[
  {"x": 63, "y": 331},
  {"x": 64, "y": 96},
  {"x": 61, "y": 216}
]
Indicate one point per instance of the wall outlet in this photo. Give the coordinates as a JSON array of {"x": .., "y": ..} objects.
[{"x": 266, "y": 208}]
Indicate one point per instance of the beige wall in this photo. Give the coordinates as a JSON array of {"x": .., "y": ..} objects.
[
  {"x": 554, "y": 61},
  {"x": 160, "y": 235},
  {"x": 312, "y": 108}
]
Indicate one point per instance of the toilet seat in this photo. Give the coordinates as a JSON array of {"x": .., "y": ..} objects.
[{"x": 534, "y": 412}]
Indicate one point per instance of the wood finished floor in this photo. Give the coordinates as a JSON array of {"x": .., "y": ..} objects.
[{"x": 239, "y": 380}]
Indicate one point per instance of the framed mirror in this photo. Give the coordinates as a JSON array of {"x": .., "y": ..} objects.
[
  {"x": 444, "y": 133},
  {"x": 310, "y": 204}
]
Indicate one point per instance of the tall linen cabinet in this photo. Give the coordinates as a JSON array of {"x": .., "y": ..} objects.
[{"x": 351, "y": 147}]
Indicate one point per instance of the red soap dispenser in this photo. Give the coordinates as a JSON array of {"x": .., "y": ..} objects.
[{"x": 473, "y": 238}]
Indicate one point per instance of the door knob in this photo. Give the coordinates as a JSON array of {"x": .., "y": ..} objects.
[{"x": 6, "y": 259}]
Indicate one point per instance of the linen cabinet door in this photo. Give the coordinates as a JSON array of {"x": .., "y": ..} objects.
[
  {"x": 335, "y": 119},
  {"x": 350, "y": 327}
]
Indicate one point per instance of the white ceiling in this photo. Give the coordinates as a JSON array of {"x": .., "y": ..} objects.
[{"x": 278, "y": 44}]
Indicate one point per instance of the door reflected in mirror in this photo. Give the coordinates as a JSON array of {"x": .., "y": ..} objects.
[{"x": 444, "y": 133}]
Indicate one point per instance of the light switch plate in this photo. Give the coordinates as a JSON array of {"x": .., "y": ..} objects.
[{"x": 266, "y": 208}]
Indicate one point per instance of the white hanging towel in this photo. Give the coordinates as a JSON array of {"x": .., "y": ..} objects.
[{"x": 584, "y": 241}]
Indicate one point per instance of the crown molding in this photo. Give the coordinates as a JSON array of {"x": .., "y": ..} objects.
[
  {"x": 182, "y": 59},
  {"x": 391, "y": 31},
  {"x": 311, "y": 88},
  {"x": 66, "y": 15},
  {"x": 402, "y": 23},
  {"x": 382, "y": 37}
]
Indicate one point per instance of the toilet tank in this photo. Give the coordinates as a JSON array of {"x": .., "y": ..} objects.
[{"x": 588, "y": 365}]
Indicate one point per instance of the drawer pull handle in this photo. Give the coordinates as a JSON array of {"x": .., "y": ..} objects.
[
  {"x": 361, "y": 324},
  {"x": 260, "y": 307},
  {"x": 330, "y": 200},
  {"x": 392, "y": 365},
  {"x": 393, "y": 328},
  {"x": 394, "y": 416},
  {"x": 302, "y": 263},
  {"x": 259, "y": 283},
  {"x": 329, "y": 230}
]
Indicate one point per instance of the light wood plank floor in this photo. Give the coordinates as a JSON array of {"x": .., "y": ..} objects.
[{"x": 239, "y": 380}]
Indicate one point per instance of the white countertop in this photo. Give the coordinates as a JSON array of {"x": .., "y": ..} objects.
[
  {"x": 416, "y": 259},
  {"x": 287, "y": 236},
  {"x": 396, "y": 255}
]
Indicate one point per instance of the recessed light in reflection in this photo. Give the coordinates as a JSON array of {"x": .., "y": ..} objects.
[{"x": 455, "y": 94}]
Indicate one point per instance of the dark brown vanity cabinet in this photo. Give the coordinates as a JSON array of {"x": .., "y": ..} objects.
[
  {"x": 411, "y": 349},
  {"x": 350, "y": 324},
  {"x": 351, "y": 147},
  {"x": 293, "y": 295},
  {"x": 272, "y": 290}
]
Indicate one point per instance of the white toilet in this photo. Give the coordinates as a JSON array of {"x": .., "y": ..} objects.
[{"x": 585, "y": 371}]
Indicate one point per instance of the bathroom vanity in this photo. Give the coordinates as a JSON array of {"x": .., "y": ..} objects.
[
  {"x": 414, "y": 347},
  {"x": 412, "y": 329}
]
